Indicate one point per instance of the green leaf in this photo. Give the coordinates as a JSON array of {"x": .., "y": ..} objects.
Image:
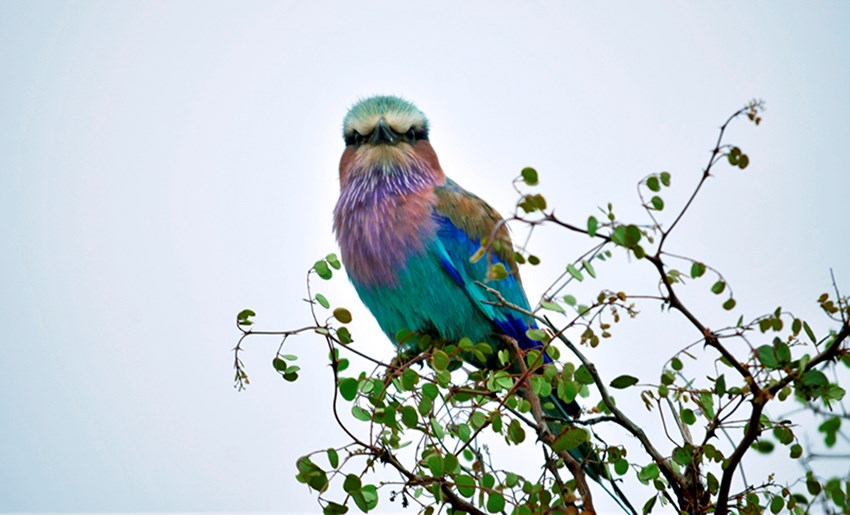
[
  {"x": 437, "y": 429},
  {"x": 333, "y": 458},
  {"x": 332, "y": 508},
  {"x": 322, "y": 269},
  {"x": 796, "y": 326},
  {"x": 688, "y": 416},
  {"x": 729, "y": 304},
  {"x": 537, "y": 335},
  {"x": 552, "y": 306},
  {"x": 647, "y": 507},
  {"x": 310, "y": 474},
  {"x": 567, "y": 391},
  {"x": 348, "y": 388},
  {"x": 504, "y": 356},
  {"x": 697, "y": 269},
  {"x": 796, "y": 451},
  {"x": 465, "y": 485},
  {"x": 425, "y": 405},
  {"x": 809, "y": 332},
  {"x": 763, "y": 446},
  {"x": 712, "y": 482},
  {"x": 495, "y": 502},
  {"x": 570, "y": 439},
  {"x": 718, "y": 287},
  {"x": 783, "y": 352},
  {"x": 409, "y": 379},
  {"x": 322, "y": 301},
  {"x": 430, "y": 391},
  {"x": 367, "y": 498},
  {"x": 733, "y": 156},
  {"x": 351, "y": 484},
  {"x": 540, "y": 201},
  {"x": 360, "y": 414},
  {"x": 621, "y": 466},
  {"x": 814, "y": 378},
  {"x": 590, "y": 270},
  {"x": 344, "y": 335},
  {"x": 743, "y": 161},
  {"x": 618, "y": 236},
  {"x": 243, "y": 317},
  {"x": 573, "y": 271},
  {"x": 648, "y": 473},
  {"x": 676, "y": 364},
  {"x": 657, "y": 203},
  {"x": 633, "y": 235},
  {"x": 440, "y": 360},
  {"x": 830, "y": 428},
  {"x": 343, "y": 315},
  {"x": 776, "y": 504},
  {"x": 652, "y": 183},
  {"x": 592, "y": 226},
  {"x": 435, "y": 465},
  {"x": 706, "y": 403},
  {"x": 783, "y": 434},
  {"x": 333, "y": 260},
  {"x": 450, "y": 463},
  {"x": 497, "y": 271},
  {"x": 720, "y": 385},
  {"x": 682, "y": 456},
  {"x": 464, "y": 432},
  {"x": 665, "y": 178},
  {"x": 834, "y": 392},
  {"x": 516, "y": 433},
  {"x": 583, "y": 375},
  {"x": 529, "y": 175},
  {"x": 624, "y": 381},
  {"x": 497, "y": 422},
  {"x": 409, "y": 416},
  {"x": 812, "y": 485},
  {"x": 279, "y": 364},
  {"x": 502, "y": 381},
  {"x": 570, "y": 300}
]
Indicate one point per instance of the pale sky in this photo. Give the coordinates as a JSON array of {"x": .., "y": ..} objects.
[{"x": 165, "y": 164}]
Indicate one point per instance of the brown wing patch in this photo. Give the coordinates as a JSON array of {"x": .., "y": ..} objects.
[{"x": 476, "y": 219}]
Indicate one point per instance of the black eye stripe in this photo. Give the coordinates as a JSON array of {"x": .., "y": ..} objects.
[
  {"x": 353, "y": 138},
  {"x": 412, "y": 134}
]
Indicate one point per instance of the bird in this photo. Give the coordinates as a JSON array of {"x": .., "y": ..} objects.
[{"x": 407, "y": 233}]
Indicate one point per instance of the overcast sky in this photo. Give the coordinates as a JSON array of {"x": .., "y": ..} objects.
[{"x": 165, "y": 164}]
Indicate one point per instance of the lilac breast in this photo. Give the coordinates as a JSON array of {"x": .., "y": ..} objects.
[{"x": 381, "y": 220}]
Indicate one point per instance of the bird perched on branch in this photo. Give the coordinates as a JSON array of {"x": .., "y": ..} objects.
[{"x": 406, "y": 234}]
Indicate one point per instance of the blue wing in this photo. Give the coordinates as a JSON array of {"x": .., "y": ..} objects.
[{"x": 463, "y": 221}]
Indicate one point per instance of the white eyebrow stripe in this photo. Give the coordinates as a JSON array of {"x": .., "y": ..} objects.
[{"x": 399, "y": 122}]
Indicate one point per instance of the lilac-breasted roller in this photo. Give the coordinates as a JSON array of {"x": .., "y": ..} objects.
[{"x": 406, "y": 234}]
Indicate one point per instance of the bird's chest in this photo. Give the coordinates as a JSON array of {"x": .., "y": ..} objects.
[{"x": 378, "y": 236}]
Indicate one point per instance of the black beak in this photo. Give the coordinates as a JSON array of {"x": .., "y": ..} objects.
[{"x": 383, "y": 134}]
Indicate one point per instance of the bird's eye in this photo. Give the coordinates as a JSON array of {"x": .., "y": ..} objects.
[
  {"x": 410, "y": 135},
  {"x": 353, "y": 138}
]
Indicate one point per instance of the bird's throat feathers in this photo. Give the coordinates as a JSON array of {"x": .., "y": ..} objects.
[{"x": 384, "y": 212}]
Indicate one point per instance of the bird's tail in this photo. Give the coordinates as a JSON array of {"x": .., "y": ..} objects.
[{"x": 560, "y": 413}]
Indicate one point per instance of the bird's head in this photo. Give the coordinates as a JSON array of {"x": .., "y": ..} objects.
[{"x": 385, "y": 135}]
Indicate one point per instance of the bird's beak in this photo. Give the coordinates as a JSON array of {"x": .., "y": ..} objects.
[{"x": 383, "y": 134}]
